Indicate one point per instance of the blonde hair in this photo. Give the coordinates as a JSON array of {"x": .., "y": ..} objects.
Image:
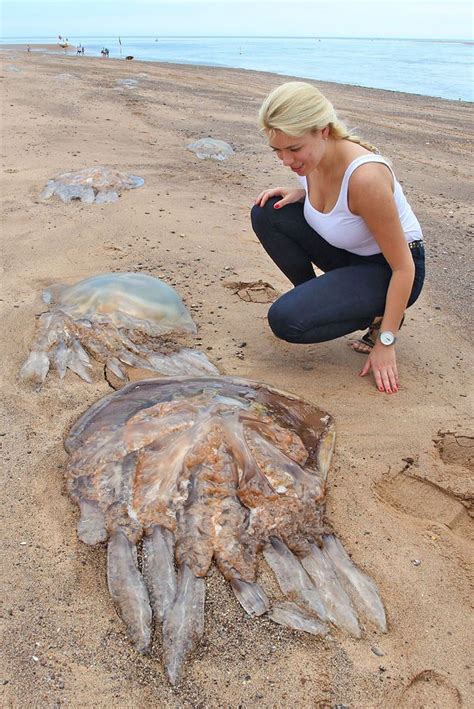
[{"x": 296, "y": 108}]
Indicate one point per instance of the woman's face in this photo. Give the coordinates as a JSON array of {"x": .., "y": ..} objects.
[{"x": 302, "y": 155}]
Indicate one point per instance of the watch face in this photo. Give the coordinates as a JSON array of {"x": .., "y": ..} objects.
[{"x": 387, "y": 338}]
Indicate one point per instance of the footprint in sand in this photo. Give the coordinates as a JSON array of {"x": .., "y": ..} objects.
[
  {"x": 456, "y": 448},
  {"x": 429, "y": 690},
  {"x": 412, "y": 491},
  {"x": 253, "y": 291}
]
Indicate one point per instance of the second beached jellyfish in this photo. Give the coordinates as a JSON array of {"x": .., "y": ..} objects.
[
  {"x": 211, "y": 148},
  {"x": 118, "y": 319},
  {"x": 98, "y": 184}
]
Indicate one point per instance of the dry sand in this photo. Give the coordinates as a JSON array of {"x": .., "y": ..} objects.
[{"x": 399, "y": 486}]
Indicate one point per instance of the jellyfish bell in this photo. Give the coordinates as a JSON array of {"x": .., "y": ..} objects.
[
  {"x": 126, "y": 299},
  {"x": 211, "y": 148}
]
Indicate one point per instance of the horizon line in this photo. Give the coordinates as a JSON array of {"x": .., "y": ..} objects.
[{"x": 216, "y": 36}]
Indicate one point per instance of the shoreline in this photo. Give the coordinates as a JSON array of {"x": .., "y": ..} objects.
[
  {"x": 398, "y": 489},
  {"x": 71, "y": 51}
]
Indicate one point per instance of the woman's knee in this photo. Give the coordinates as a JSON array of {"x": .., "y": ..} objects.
[
  {"x": 282, "y": 321},
  {"x": 261, "y": 217}
]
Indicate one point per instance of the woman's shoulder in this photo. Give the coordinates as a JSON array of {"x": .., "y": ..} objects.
[{"x": 371, "y": 169}]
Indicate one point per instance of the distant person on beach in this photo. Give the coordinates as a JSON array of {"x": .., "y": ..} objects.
[{"x": 349, "y": 218}]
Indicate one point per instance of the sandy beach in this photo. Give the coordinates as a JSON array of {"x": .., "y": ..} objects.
[{"x": 400, "y": 486}]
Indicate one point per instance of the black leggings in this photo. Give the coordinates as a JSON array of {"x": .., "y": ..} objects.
[{"x": 347, "y": 297}]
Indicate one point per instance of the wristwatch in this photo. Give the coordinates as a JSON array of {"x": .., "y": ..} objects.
[{"x": 387, "y": 338}]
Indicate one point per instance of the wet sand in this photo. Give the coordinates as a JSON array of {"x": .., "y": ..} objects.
[{"x": 399, "y": 488}]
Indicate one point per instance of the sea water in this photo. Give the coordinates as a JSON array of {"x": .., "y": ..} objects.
[{"x": 441, "y": 68}]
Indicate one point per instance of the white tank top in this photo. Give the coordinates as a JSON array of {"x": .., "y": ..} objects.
[{"x": 341, "y": 228}]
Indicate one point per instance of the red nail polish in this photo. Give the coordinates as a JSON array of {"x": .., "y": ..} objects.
[{"x": 276, "y": 206}]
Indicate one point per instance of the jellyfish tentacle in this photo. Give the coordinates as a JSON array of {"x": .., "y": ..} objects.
[
  {"x": 60, "y": 355},
  {"x": 112, "y": 366},
  {"x": 212, "y": 478},
  {"x": 283, "y": 472},
  {"x": 78, "y": 361},
  {"x": 251, "y": 596},
  {"x": 184, "y": 622},
  {"x": 162, "y": 478},
  {"x": 212, "y": 521},
  {"x": 127, "y": 589},
  {"x": 93, "y": 339},
  {"x": 326, "y": 450},
  {"x": 35, "y": 368},
  {"x": 37, "y": 364},
  {"x": 158, "y": 569},
  {"x": 117, "y": 494},
  {"x": 91, "y": 528},
  {"x": 184, "y": 362},
  {"x": 293, "y": 616},
  {"x": 291, "y": 576},
  {"x": 252, "y": 482},
  {"x": 358, "y": 585},
  {"x": 286, "y": 441},
  {"x": 132, "y": 359},
  {"x": 337, "y": 603},
  {"x": 80, "y": 352}
]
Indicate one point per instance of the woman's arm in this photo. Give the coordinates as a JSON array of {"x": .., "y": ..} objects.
[
  {"x": 289, "y": 196},
  {"x": 371, "y": 197}
]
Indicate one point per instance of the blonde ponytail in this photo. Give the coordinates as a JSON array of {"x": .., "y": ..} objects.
[{"x": 339, "y": 130}]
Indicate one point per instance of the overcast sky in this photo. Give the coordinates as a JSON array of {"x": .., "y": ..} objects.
[{"x": 436, "y": 19}]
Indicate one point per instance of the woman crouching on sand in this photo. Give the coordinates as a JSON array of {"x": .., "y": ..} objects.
[{"x": 351, "y": 219}]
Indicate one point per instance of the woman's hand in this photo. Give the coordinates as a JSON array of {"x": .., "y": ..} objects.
[
  {"x": 383, "y": 363},
  {"x": 288, "y": 196}
]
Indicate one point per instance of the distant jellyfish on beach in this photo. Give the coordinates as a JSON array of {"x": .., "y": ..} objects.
[
  {"x": 66, "y": 77},
  {"x": 98, "y": 184},
  {"x": 127, "y": 84},
  {"x": 211, "y": 148},
  {"x": 118, "y": 319}
]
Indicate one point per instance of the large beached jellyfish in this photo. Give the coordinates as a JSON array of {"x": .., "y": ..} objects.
[
  {"x": 118, "y": 319},
  {"x": 97, "y": 184},
  {"x": 211, "y": 148},
  {"x": 178, "y": 473}
]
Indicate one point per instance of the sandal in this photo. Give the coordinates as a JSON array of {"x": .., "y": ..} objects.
[{"x": 366, "y": 343}]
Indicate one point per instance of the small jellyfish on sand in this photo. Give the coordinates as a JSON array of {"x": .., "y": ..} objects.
[
  {"x": 196, "y": 470},
  {"x": 211, "y": 148},
  {"x": 66, "y": 77},
  {"x": 116, "y": 318},
  {"x": 98, "y": 184},
  {"x": 127, "y": 83}
]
